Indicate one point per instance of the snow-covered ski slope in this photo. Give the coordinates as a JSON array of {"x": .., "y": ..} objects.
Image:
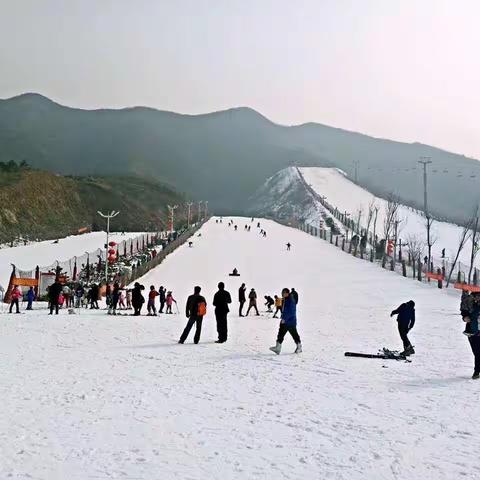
[
  {"x": 90, "y": 396},
  {"x": 27, "y": 257},
  {"x": 347, "y": 196}
]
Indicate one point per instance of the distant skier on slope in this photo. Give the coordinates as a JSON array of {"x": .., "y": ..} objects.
[
  {"x": 221, "y": 300},
  {"x": 288, "y": 323},
  {"x": 170, "y": 301},
  {"x": 470, "y": 314},
  {"x": 288, "y": 246},
  {"x": 406, "y": 320},
  {"x": 195, "y": 310}
]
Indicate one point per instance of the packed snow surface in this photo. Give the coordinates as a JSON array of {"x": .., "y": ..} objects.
[
  {"x": 347, "y": 196},
  {"x": 91, "y": 396},
  {"x": 27, "y": 257}
]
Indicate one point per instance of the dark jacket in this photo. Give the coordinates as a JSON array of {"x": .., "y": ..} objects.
[
  {"x": 221, "y": 300},
  {"x": 162, "y": 295},
  {"x": 191, "y": 309},
  {"x": 405, "y": 315},
  {"x": 294, "y": 294},
  {"x": 289, "y": 311},
  {"x": 241, "y": 294},
  {"x": 31, "y": 295},
  {"x": 137, "y": 297},
  {"x": 54, "y": 291}
]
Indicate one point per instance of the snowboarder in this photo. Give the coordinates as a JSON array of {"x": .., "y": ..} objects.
[
  {"x": 264, "y": 234},
  {"x": 252, "y": 296},
  {"x": 241, "y": 299},
  {"x": 473, "y": 332},
  {"x": 15, "y": 297},
  {"x": 53, "y": 295},
  {"x": 236, "y": 227},
  {"x": 288, "y": 246},
  {"x": 258, "y": 225},
  {"x": 30, "y": 298},
  {"x": 406, "y": 320},
  {"x": 221, "y": 300},
  {"x": 137, "y": 298},
  {"x": 295, "y": 295},
  {"x": 288, "y": 323},
  {"x": 152, "y": 294},
  {"x": 190, "y": 244},
  {"x": 269, "y": 302},
  {"x": 170, "y": 300},
  {"x": 195, "y": 310},
  {"x": 161, "y": 292},
  {"x": 278, "y": 305}
]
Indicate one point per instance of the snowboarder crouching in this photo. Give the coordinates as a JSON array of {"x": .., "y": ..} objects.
[{"x": 288, "y": 323}]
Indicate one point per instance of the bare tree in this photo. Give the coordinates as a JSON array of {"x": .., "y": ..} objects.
[
  {"x": 375, "y": 227},
  {"x": 415, "y": 246},
  {"x": 391, "y": 216},
  {"x": 359, "y": 219},
  {"x": 475, "y": 237},
  {"x": 463, "y": 239},
  {"x": 371, "y": 211}
]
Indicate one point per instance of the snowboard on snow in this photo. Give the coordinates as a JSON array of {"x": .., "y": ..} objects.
[{"x": 384, "y": 354}]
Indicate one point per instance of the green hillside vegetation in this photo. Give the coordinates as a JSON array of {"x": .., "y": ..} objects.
[
  {"x": 223, "y": 157},
  {"x": 35, "y": 204}
]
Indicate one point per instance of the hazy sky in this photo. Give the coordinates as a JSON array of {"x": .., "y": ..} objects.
[{"x": 401, "y": 69}]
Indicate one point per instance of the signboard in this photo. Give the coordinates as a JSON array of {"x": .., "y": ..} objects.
[{"x": 25, "y": 282}]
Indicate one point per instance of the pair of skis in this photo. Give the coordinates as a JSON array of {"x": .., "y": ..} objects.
[{"x": 384, "y": 354}]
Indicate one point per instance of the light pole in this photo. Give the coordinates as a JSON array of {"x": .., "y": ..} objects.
[
  {"x": 189, "y": 214},
  {"x": 426, "y": 161},
  {"x": 172, "y": 212},
  {"x": 206, "y": 208},
  {"x": 108, "y": 216},
  {"x": 199, "y": 209}
]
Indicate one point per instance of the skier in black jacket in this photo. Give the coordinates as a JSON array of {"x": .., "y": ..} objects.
[
  {"x": 220, "y": 301},
  {"x": 242, "y": 299},
  {"x": 53, "y": 293},
  {"x": 406, "y": 320},
  {"x": 137, "y": 298},
  {"x": 294, "y": 294},
  {"x": 194, "y": 310},
  {"x": 161, "y": 292}
]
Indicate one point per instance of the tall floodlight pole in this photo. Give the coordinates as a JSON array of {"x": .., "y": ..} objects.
[
  {"x": 108, "y": 216},
  {"x": 171, "y": 210},
  {"x": 206, "y": 208},
  {"x": 200, "y": 210},
  {"x": 189, "y": 214},
  {"x": 426, "y": 161}
]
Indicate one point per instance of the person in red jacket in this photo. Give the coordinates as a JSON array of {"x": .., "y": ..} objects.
[
  {"x": 151, "y": 301},
  {"x": 16, "y": 295}
]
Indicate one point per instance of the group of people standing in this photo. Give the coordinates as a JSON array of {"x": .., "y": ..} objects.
[{"x": 196, "y": 309}]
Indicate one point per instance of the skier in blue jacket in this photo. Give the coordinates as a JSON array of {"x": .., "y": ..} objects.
[
  {"x": 288, "y": 323},
  {"x": 30, "y": 298}
]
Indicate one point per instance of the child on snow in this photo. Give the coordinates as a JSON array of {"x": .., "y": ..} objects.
[
  {"x": 151, "y": 301},
  {"x": 278, "y": 305},
  {"x": 30, "y": 298},
  {"x": 170, "y": 301}
]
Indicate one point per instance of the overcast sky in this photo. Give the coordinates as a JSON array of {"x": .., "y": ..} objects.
[{"x": 401, "y": 69}]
